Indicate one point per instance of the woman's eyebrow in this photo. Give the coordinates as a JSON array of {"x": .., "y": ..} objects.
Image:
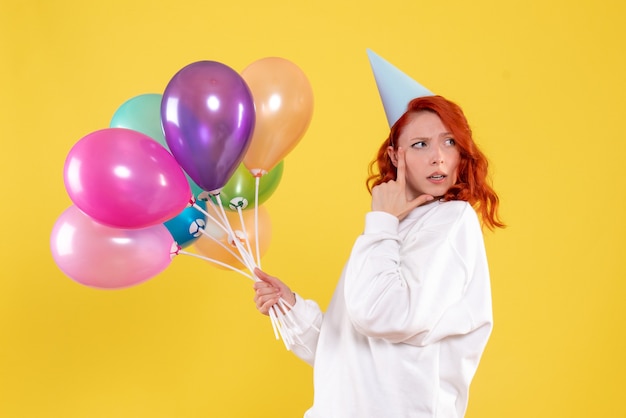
[
  {"x": 420, "y": 138},
  {"x": 426, "y": 138}
]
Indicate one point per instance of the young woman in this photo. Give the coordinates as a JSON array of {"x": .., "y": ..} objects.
[{"x": 411, "y": 314}]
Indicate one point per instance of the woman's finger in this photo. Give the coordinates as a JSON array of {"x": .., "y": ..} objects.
[{"x": 264, "y": 303}]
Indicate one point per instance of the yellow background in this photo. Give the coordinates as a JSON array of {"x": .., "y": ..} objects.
[{"x": 543, "y": 86}]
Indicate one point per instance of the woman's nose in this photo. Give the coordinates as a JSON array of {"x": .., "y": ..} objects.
[{"x": 437, "y": 158}]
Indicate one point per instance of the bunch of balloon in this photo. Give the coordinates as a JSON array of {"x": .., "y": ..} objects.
[
  {"x": 123, "y": 186},
  {"x": 142, "y": 189}
]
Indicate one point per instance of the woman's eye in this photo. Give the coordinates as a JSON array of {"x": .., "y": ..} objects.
[
  {"x": 450, "y": 141},
  {"x": 419, "y": 144}
]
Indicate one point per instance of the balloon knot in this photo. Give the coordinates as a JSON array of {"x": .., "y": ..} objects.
[
  {"x": 238, "y": 203},
  {"x": 258, "y": 172},
  {"x": 174, "y": 250},
  {"x": 204, "y": 196}
]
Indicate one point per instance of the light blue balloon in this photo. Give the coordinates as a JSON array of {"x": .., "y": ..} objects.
[
  {"x": 186, "y": 226},
  {"x": 143, "y": 114}
]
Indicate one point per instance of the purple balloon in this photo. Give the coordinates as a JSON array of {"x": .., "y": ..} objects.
[{"x": 208, "y": 118}]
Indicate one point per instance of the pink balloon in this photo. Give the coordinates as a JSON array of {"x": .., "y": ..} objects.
[
  {"x": 99, "y": 256},
  {"x": 125, "y": 179}
]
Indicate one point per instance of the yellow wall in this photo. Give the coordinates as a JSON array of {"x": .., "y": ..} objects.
[{"x": 543, "y": 85}]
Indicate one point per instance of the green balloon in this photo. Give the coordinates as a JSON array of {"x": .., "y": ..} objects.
[{"x": 238, "y": 192}]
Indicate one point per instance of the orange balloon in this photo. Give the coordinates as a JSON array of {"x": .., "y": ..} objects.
[
  {"x": 283, "y": 101},
  {"x": 208, "y": 247}
]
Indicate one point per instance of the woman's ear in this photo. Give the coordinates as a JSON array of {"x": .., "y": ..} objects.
[{"x": 393, "y": 155}]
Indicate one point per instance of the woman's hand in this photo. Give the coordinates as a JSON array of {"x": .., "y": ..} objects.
[
  {"x": 391, "y": 197},
  {"x": 269, "y": 290}
]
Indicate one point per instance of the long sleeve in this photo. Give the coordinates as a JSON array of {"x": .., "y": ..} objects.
[
  {"x": 411, "y": 281},
  {"x": 304, "y": 327}
]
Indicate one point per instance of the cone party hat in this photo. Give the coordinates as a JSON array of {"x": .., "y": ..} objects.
[{"x": 396, "y": 89}]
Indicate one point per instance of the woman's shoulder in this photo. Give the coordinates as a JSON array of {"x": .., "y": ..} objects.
[
  {"x": 444, "y": 215},
  {"x": 457, "y": 209},
  {"x": 451, "y": 209}
]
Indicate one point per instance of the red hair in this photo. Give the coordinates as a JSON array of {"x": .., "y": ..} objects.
[{"x": 472, "y": 184}]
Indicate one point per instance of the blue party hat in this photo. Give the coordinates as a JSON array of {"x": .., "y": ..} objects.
[{"x": 396, "y": 89}]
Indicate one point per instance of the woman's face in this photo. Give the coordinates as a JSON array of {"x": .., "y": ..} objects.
[{"x": 432, "y": 157}]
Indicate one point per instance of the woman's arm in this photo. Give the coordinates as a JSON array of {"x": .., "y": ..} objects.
[
  {"x": 416, "y": 289},
  {"x": 303, "y": 318}
]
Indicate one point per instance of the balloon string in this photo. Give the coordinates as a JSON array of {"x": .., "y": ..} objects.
[
  {"x": 225, "y": 226},
  {"x": 244, "y": 229},
  {"x": 279, "y": 325},
  {"x": 277, "y": 318},
  {"x": 227, "y": 229},
  {"x": 222, "y": 216},
  {"x": 218, "y": 263},
  {"x": 256, "y": 219},
  {"x": 245, "y": 255},
  {"x": 249, "y": 262},
  {"x": 274, "y": 321},
  {"x": 220, "y": 243},
  {"x": 205, "y": 213}
]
